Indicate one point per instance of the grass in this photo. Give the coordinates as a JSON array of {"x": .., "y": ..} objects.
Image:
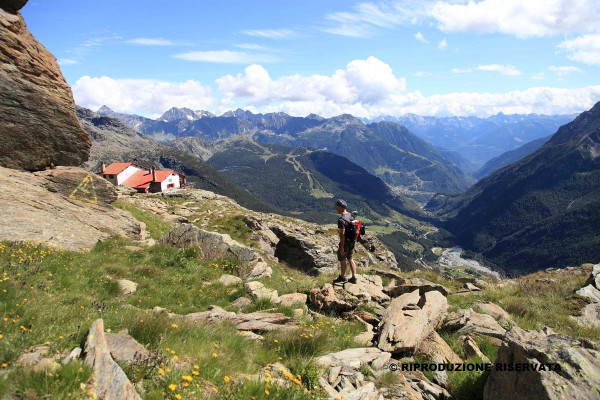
[
  {"x": 235, "y": 226},
  {"x": 50, "y": 296},
  {"x": 155, "y": 225}
]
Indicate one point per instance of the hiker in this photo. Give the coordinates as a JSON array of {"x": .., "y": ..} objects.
[{"x": 346, "y": 246}]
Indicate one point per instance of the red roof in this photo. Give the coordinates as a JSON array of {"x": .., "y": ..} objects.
[
  {"x": 143, "y": 179},
  {"x": 116, "y": 168}
]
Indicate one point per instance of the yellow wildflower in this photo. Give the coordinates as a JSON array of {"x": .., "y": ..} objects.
[
  {"x": 226, "y": 379},
  {"x": 172, "y": 386}
]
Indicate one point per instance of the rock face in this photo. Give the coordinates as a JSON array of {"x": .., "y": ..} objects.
[
  {"x": 590, "y": 315},
  {"x": 213, "y": 245},
  {"x": 109, "y": 380},
  {"x": 38, "y": 121},
  {"x": 579, "y": 377},
  {"x": 409, "y": 319},
  {"x": 313, "y": 252},
  {"x": 66, "y": 208}
]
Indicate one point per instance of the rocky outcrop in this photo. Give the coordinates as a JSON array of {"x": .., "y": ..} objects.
[
  {"x": 590, "y": 315},
  {"x": 409, "y": 319},
  {"x": 400, "y": 286},
  {"x": 468, "y": 322},
  {"x": 213, "y": 245},
  {"x": 312, "y": 251},
  {"x": 66, "y": 207},
  {"x": 256, "y": 322},
  {"x": 109, "y": 380},
  {"x": 434, "y": 346},
  {"x": 579, "y": 361},
  {"x": 38, "y": 121}
]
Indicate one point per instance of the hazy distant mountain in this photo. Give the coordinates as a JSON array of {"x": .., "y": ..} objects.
[
  {"x": 131, "y": 120},
  {"x": 480, "y": 139},
  {"x": 387, "y": 150},
  {"x": 509, "y": 157},
  {"x": 539, "y": 212}
]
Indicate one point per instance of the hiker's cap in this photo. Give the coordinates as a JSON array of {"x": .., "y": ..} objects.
[{"x": 341, "y": 203}]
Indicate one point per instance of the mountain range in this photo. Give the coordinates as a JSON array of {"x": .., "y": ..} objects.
[
  {"x": 538, "y": 212},
  {"x": 481, "y": 139},
  {"x": 385, "y": 149}
]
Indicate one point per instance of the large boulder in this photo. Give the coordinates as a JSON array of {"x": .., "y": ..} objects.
[
  {"x": 311, "y": 250},
  {"x": 38, "y": 121},
  {"x": 579, "y": 361},
  {"x": 590, "y": 314},
  {"x": 434, "y": 346},
  {"x": 66, "y": 207},
  {"x": 213, "y": 245},
  {"x": 409, "y": 319},
  {"x": 468, "y": 322},
  {"x": 108, "y": 379},
  {"x": 329, "y": 299}
]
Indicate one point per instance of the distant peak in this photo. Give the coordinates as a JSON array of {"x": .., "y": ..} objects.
[{"x": 104, "y": 109}]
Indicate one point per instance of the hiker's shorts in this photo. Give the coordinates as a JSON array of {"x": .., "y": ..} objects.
[{"x": 348, "y": 251}]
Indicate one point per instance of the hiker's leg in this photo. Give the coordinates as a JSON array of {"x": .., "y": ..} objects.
[
  {"x": 343, "y": 267},
  {"x": 352, "y": 267}
]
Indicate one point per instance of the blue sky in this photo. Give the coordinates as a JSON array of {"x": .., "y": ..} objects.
[{"x": 365, "y": 58}]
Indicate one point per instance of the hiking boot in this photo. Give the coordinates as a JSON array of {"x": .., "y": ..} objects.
[
  {"x": 352, "y": 280},
  {"x": 340, "y": 279}
]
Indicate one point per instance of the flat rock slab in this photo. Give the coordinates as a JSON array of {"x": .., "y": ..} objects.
[
  {"x": 468, "y": 322},
  {"x": 123, "y": 347},
  {"x": 579, "y": 359},
  {"x": 354, "y": 358},
  {"x": 409, "y": 285},
  {"x": 109, "y": 380},
  {"x": 409, "y": 319},
  {"x": 257, "y": 321},
  {"x": 38, "y": 212}
]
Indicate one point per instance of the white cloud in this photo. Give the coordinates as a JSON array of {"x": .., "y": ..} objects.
[
  {"x": 584, "y": 49},
  {"x": 419, "y": 36},
  {"x": 367, "y": 18},
  {"x": 507, "y": 70},
  {"x": 67, "y": 61},
  {"x": 141, "y": 96},
  {"x": 226, "y": 57},
  {"x": 519, "y": 18},
  {"x": 151, "y": 42},
  {"x": 271, "y": 33},
  {"x": 443, "y": 44},
  {"x": 421, "y": 74},
  {"x": 369, "y": 81},
  {"x": 538, "y": 76},
  {"x": 564, "y": 70},
  {"x": 251, "y": 46}
]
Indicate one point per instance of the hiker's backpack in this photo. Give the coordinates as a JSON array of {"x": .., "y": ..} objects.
[{"x": 354, "y": 230}]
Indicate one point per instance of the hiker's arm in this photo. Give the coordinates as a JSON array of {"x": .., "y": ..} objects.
[{"x": 342, "y": 232}]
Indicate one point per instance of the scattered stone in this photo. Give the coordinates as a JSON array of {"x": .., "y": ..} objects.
[
  {"x": 352, "y": 358},
  {"x": 364, "y": 338},
  {"x": 369, "y": 284},
  {"x": 257, "y": 291},
  {"x": 250, "y": 335},
  {"x": 241, "y": 302},
  {"x": 257, "y": 321},
  {"x": 470, "y": 287},
  {"x": 73, "y": 355},
  {"x": 409, "y": 319},
  {"x": 329, "y": 299},
  {"x": 127, "y": 287},
  {"x": 434, "y": 346},
  {"x": 288, "y": 300},
  {"x": 123, "y": 347},
  {"x": 578, "y": 378},
  {"x": 46, "y": 364},
  {"x": 366, "y": 317},
  {"x": 109, "y": 380},
  {"x": 297, "y": 312},
  {"x": 402, "y": 286},
  {"x": 32, "y": 356},
  {"x": 495, "y": 311},
  {"x": 590, "y": 314},
  {"x": 472, "y": 349},
  {"x": 468, "y": 322},
  {"x": 230, "y": 280},
  {"x": 260, "y": 270}
]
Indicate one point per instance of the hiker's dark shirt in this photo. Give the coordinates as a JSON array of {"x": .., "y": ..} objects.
[{"x": 344, "y": 221}]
